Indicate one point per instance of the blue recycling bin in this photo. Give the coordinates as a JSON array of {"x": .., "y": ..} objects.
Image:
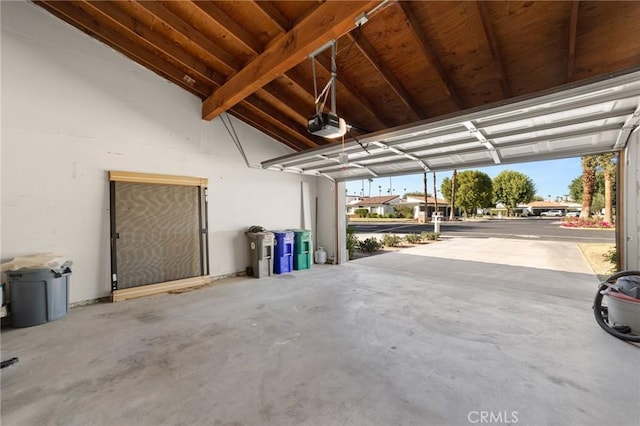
[{"x": 283, "y": 257}]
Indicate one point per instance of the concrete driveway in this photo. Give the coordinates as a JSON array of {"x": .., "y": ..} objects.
[{"x": 419, "y": 337}]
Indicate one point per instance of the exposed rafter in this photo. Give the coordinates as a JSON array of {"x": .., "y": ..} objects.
[
  {"x": 191, "y": 34},
  {"x": 274, "y": 15},
  {"x": 328, "y": 21},
  {"x": 573, "y": 27},
  {"x": 287, "y": 126},
  {"x": 429, "y": 53},
  {"x": 495, "y": 49},
  {"x": 369, "y": 52},
  {"x": 252, "y": 56},
  {"x": 135, "y": 30},
  {"x": 90, "y": 25},
  {"x": 230, "y": 26},
  {"x": 279, "y": 121},
  {"x": 355, "y": 92},
  {"x": 245, "y": 113},
  {"x": 295, "y": 79}
]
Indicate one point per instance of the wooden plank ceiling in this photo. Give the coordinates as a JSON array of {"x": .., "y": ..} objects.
[{"x": 410, "y": 61}]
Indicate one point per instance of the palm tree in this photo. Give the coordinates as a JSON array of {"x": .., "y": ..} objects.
[
  {"x": 435, "y": 193},
  {"x": 608, "y": 165},
  {"x": 452, "y": 215},
  {"x": 379, "y": 189},
  {"x": 589, "y": 164},
  {"x": 370, "y": 181},
  {"x": 425, "y": 197}
]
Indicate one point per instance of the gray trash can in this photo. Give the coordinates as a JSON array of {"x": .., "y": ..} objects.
[
  {"x": 38, "y": 295},
  {"x": 261, "y": 253}
]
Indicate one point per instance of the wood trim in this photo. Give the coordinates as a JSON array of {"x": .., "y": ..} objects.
[
  {"x": 151, "y": 289},
  {"x": 120, "y": 176}
]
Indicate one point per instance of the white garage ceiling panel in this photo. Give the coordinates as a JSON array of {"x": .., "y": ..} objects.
[{"x": 590, "y": 118}]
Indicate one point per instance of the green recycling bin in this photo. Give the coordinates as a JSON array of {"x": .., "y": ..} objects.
[{"x": 301, "y": 249}]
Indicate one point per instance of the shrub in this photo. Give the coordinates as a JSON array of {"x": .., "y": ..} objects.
[
  {"x": 352, "y": 241},
  {"x": 413, "y": 238},
  {"x": 370, "y": 245},
  {"x": 612, "y": 257},
  {"x": 579, "y": 222},
  {"x": 388, "y": 215},
  {"x": 403, "y": 211},
  {"x": 391, "y": 240},
  {"x": 372, "y": 215},
  {"x": 430, "y": 236},
  {"x": 361, "y": 212}
]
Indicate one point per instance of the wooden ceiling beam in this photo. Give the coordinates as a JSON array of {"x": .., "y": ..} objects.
[
  {"x": 243, "y": 113},
  {"x": 272, "y": 99},
  {"x": 429, "y": 53},
  {"x": 229, "y": 63},
  {"x": 280, "y": 121},
  {"x": 74, "y": 14},
  {"x": 229, "y": 25},
  {"x": 328, "y": 21},
  {"x": 273, "y": 14},
  {"x": 120, "y": 19},
  {"x": 353, "y": 90},
  {"x": 137, "y": 31},
  {"x": 573, "y": 28},
  {"x": 387, "y": 75},
  {"x": 483, "y": 10}
]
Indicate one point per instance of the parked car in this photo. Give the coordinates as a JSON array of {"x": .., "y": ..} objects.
[
  {"x": 572, "y": 214},
  {"x": 552, "y": 213}
]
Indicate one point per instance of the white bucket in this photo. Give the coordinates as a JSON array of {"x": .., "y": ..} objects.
[
  {"x": 624, "y": 311},
  {"x": 320, "y": 256}
]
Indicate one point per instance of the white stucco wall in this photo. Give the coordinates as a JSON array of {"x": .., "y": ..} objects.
[
  {"x": 631, "y": 194},
  {"x": 325, "y": 235},
  {"x": 72, "y": 109}
]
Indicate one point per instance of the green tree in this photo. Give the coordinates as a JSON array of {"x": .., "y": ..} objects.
[
  {"x": 512, "y": 188},
  {"x": 445, "y": 189},
  {"x": 575, "y": 187},
  {"x": 415, "y": 194},
  {"x": 473, "y": 189}
]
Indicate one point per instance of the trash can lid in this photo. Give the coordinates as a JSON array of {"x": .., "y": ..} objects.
[
  {"x": 256, "y": 228},
  {"x": 50, "y": 261},
  {"x": 300, "y": 231}
]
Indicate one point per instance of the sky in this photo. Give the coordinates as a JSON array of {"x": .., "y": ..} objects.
[{"x": 552, "y": 179}]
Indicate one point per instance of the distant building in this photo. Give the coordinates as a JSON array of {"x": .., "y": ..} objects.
[
  {"x": 381, "y": 205},
  {"x": 534, "y": 208}
]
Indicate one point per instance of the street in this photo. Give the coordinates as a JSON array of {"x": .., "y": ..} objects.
[{"x": 547, "y": 229}]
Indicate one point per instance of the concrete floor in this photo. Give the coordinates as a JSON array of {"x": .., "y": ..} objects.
[{"x": 408, "y": 338}]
